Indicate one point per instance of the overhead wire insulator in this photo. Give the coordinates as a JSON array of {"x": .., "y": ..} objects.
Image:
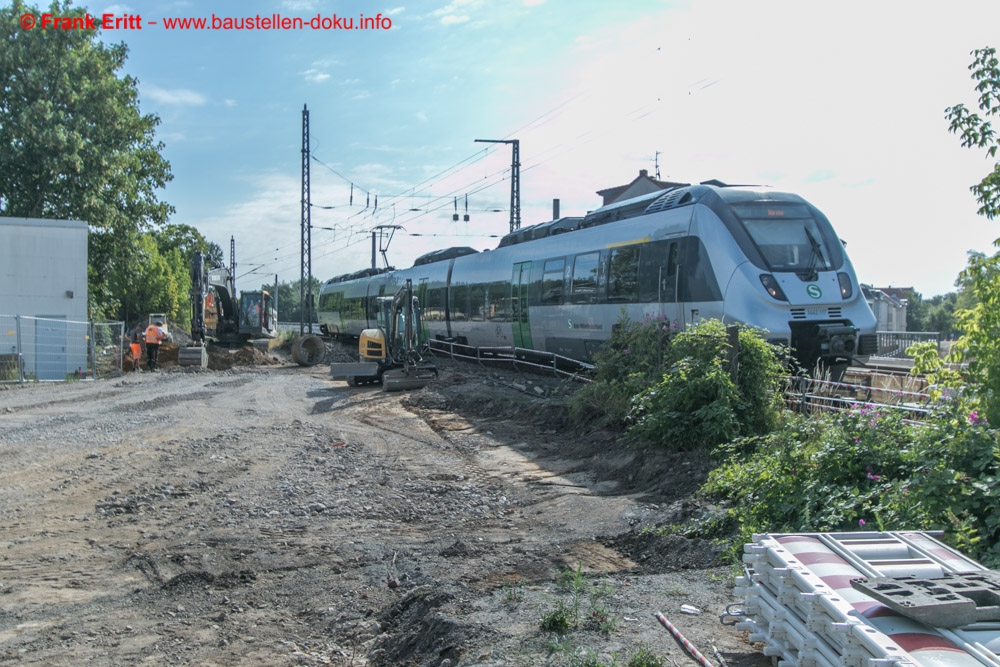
[{"x": 454, "y": 216}]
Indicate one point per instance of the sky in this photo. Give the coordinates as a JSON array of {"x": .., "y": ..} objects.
[{"x": 842, "y": 103}]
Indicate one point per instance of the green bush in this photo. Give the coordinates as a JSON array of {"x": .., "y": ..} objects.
[
  {"x": 628, "y": 363},
  {"x": 692, "y": 407},
  {"x": 696, "y": 403},
  {"x": 869, "y": 470},
  {"x": 674, "y": 389}
]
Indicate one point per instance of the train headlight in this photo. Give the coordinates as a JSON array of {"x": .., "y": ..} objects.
[
  {"x": 772, "y": 287},
  {"x": 846, "y": 288}
]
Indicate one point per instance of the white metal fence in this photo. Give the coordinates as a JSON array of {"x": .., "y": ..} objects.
[{"x": 57, "y": 349}]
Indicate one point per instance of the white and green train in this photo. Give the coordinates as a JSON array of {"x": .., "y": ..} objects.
[{"x": 739, "y": 254}]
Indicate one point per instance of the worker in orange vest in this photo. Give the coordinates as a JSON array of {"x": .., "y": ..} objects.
[{"x": 154, "y": 336}]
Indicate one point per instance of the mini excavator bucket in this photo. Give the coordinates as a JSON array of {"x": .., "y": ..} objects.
[
  {"x": 402, "y": 379},
  {"x": 192, "y": 356}
]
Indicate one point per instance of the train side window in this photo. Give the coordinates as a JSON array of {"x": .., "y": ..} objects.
[
  {"x": 584, "y": 283},
  {"x": 499, "y": 300},
  {"x": 672, "y": 259},
  {"x": 459, "y": 303},
  {"x": 434, "y": 310},
  {"x": 355, "y": 308},
  {"x": 623, "y": 275},
  {"x": 479, "y": 303},
  {"x": 553, "y": 276},
  {"x": 653, "y": 267}
]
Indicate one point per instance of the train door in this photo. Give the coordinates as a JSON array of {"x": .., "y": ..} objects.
[
  {"x": 670, "y": 302},
  {"x": 519, "y": 304}
]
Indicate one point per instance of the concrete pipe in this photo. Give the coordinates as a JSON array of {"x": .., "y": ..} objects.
[{"x": 308, "y": 350}]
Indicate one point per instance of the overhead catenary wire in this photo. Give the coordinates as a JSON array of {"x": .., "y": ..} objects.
[
  {"x": 414, "y": 191},
  {"x": 362, "y": 220}
]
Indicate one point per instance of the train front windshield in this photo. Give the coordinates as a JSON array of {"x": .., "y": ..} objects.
[{"x": 789, "y": 236}]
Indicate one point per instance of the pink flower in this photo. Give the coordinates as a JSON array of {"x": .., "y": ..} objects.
[{"x": 861, "y": 522}]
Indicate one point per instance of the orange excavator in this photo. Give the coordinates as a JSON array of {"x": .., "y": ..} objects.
[{"x": 217, "y": 315}]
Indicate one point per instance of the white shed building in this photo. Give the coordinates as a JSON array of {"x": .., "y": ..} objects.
[{"x": 43, "y": 295}]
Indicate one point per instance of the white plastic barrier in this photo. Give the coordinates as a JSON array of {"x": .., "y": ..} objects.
[{"x": 799, "y": 602}]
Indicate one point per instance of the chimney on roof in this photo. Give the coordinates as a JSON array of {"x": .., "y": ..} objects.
[
  {"x": 555, "y": 209},
  {"x": 643, "y": 173}
]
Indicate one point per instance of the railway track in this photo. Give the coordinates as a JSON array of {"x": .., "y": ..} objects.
[{"x": 891, "y": 388}]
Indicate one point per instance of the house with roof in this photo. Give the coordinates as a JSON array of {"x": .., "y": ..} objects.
[
  {"x": 641, "y": 185},
  {"x": 889, "y": 306}
]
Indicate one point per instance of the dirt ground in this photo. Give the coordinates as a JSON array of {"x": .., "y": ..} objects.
[{"x": 265, "y": 514}]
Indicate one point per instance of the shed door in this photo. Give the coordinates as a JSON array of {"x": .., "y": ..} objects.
[{"x": 50, "y": 348}]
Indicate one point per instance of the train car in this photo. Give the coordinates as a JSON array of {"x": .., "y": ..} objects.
[{"x": 738, "y": 254}]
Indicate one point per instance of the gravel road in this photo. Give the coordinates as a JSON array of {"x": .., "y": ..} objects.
[{"x": 268, "y": 515}]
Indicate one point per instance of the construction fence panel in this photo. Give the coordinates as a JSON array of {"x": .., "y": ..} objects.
[
  {"x": 11, "y": 361},
  {"x": 56, "y": 349}
]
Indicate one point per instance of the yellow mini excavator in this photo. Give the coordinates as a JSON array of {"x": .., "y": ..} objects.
[{"x": 391, "y": 353}]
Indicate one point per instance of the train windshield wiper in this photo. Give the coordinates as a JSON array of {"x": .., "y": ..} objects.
[{"x": 815, "y": 256}]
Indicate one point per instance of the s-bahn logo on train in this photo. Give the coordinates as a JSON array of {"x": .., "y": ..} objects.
[{"x": 814, "y": 291}]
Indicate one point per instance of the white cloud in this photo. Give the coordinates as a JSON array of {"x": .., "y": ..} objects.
[
  {"x": 117, "y": 9},
  {"x": 178, "y": 96},
  {"x": 230, "y": 103},
  {"x": 421, "y": 116},
  {"x": 299, "y": 5},
  {"x": 396, "y": 10},
  {"x": 315, "y": 75},
  {"x": 317, "y": 72},
  {"x": 532, "y": 3},
  {"x": 449, "y": 13}
]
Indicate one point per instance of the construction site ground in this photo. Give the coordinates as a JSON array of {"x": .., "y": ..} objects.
[{"x": 261, "y": 513}]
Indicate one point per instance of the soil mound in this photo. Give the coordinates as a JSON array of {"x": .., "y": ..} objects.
[{"x": 221, "y": 359}]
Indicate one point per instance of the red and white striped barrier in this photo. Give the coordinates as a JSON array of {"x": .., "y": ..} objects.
[{"x": 800, "y": 604}]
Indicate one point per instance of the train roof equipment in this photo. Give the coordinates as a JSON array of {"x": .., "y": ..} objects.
[{"x": 441, "y": 255}]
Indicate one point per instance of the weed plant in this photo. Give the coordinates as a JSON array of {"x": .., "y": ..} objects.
[
  {"x": 675, "y": 390},
  {"x": 868, "y": 469}
]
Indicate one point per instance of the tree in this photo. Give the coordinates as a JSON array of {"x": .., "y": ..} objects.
[
  {"x": 184, "y": 238},
  {"x": 978, "y": 316},
  {"x": 916, "y": 312},
  {"x": 977, "y": 132},
  {"x": 289, "y": 303},
  {"x": 74, "y": 145},
  {"x": 940, "y": 314}
]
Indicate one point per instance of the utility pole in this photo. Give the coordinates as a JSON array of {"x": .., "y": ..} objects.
[
  {"x": 515, "y": 179},
  {"x": 656, "y": 163},
  {"x": 305, "y": 283},
  {"x": 232, "y": 266}
]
